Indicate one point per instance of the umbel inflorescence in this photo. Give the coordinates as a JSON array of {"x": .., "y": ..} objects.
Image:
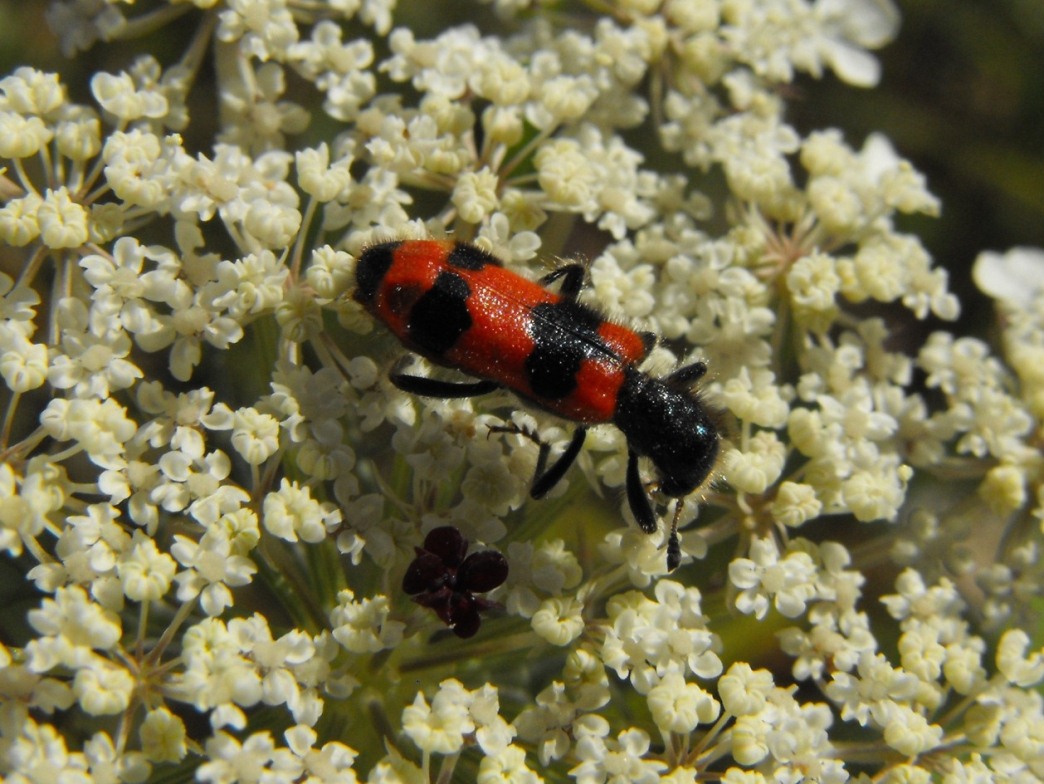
[{"x": 241, "y": 554}]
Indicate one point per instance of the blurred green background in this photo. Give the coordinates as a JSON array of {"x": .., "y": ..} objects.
[{"x": 961, "y": 96}]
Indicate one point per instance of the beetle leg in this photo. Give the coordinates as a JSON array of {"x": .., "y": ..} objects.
[
  {"x": 687, "y": 375},
  {"x": 573, "y": 280},
  {"x": 544, "y": 479},
  {"x": 434, "y": 387},
  {"x": 637, "y": 498}
]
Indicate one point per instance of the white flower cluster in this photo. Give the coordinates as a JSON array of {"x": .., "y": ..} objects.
[{"x": 220, "y": 499}]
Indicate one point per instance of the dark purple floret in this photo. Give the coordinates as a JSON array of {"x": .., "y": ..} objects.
[{"x": 445, "y": 580}]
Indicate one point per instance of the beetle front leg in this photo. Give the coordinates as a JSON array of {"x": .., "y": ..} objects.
[{"x": 637, "y": 498}]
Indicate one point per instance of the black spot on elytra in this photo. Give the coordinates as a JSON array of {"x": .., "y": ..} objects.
[
  {"x": 370, "y": 270},
  {"x": 441, "y": 315},
  {"x": 471, "y": 258},
  {"x": 565, "y": 334}
]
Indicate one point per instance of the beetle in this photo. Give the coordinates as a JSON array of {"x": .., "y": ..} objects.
[{"x": 459, "y": 307}]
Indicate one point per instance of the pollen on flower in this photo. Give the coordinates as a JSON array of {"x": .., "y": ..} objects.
[
  {"x": 795, "y": 503},
  {"x": 291, "y": 513},
  {"x": 102, "y": 688},
  {"x": 145, "y": 572},
  {"x": 1004, "y": 488},
  {"x": 559, "y": 621},
  {"x": 22, "y": 136},
  {"x": 439, "y": 727},
  {"x": 754, "y": 470},
  {"x": 63, "y": 222},
  {"x": 163, "y": 736},
  {"x": 364, "y": 626},
  {"x": 743, "y": 690},
  {"x": 678, "y": 706},
  {"x": 475, "y": 195}
]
